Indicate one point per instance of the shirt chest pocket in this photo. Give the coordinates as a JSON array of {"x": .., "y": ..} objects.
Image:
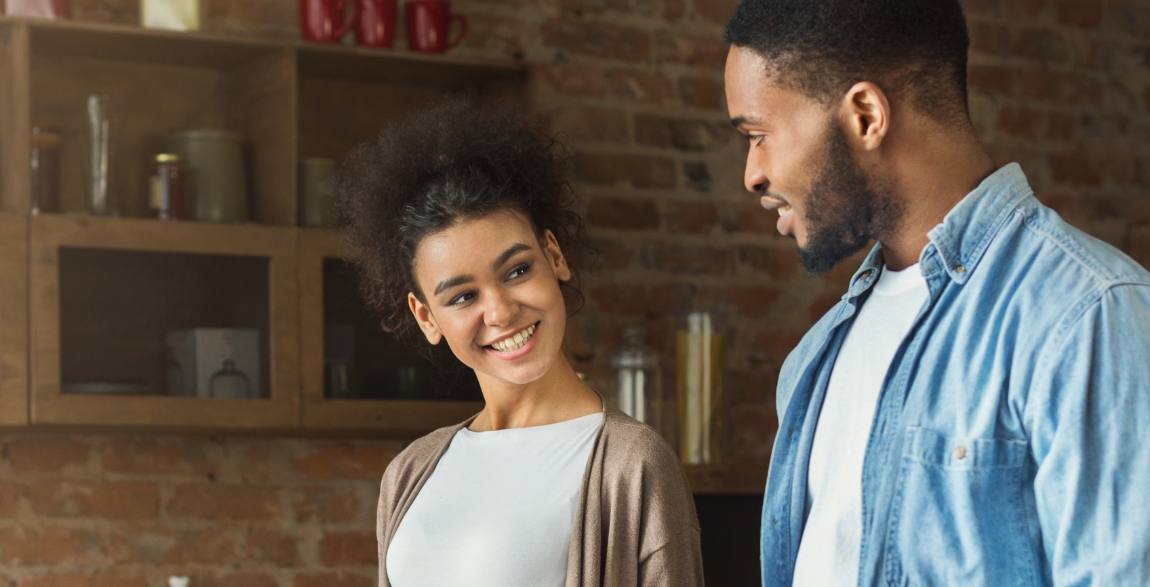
[{"x": 959, "y": 517}]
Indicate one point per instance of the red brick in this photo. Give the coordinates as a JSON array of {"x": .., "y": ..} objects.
[
  {"x": 274, "y": 547},
  {"x": 345, "y": 461},
  {"x": 214, "y": 545},
  {"x": 715, "y": 11},
  {"x": 991, "y": 80},
  {"x": 697, "y": 175},
  {"x": 681, "y": 134},
  {"x": 597, "y": 39},
  {"x": 1041, "y": 44},
  {"x": 707, "y": 51},
  {"x": 622, "y": 213},
  {"x": 777, "y": 263},
  {"x": 691, "y": 217},
  {"x": 156, "y": 456},
  {"x": 348, "y": 549},
  {"x": 822, "y": 305},
  {"x": 1138, "y": 246},
  {"x": 326, "y": 505},
  {"x": 49, "y": 545},
  {"x": 1061, "y": 88},
  {"x": 225, "y": 502},
  {"x": 40, "y": 454},
  {"x": 753, "y": 428},
  {"x": 1074, "y": 169},
  {"x": 693, "y": 259},
  {"x": 574, "y": 79},
  {"x": 1020, "y": 121},
  {"x": 1085, "y": 14},
  {"x": 749, "y": 300},
  {"x": 19, "y": 545},
  {"x": 752, "y": 217},
  {"x": 773, "y": 346},
  {"x": 612, "y": 254},
  {"x": 99, "y": 500},
  {"x": 1061, "y": 127},
  {"x": 233, "y": 580},
  {"x": 640, "y": 85},
  {"x": 104, "y": 578},
  {"x": 332, "y": 580},
  {"x": 701, "y": 92},
  {"x": 9, "y": 499},
  {"x": 599, "y": 125},
  {"x": 757, "y": 385},
  {"x": 641, "y": 171},
  {"x": 636, "y": 299}
]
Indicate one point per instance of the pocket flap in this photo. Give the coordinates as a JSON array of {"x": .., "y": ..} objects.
[{"x": 931, "y": 448}]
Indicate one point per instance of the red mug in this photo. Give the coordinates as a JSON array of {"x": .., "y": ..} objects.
[
  {"x": 318, "y": 19},
  {"x": 427, "y": 24},
  {"x": 376, "y": 24}
]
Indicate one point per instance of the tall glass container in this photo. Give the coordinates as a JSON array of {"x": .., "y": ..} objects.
[
  {"x": 100, "y": 163},
  {"x": 638, "y": 389},
  {"x": 45, "y": 170},
  {"x": 701, "y": 362}
]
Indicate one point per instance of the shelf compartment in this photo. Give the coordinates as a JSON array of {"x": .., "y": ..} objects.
[
  {"x": 108, "y": 290},
  {"x": 328, "y": 296},
  {"x": 726, "y": 479},
  {"x": 160, "y": 84},
  {"x": 13, "y": 320}
]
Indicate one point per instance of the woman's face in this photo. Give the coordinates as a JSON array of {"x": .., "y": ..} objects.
[{"x": 492, "y": 291}]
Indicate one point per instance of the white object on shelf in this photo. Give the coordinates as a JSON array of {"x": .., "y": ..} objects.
[
  {"x": 177, "y": 581},
  {"x": 173, "y": 15},
  {"x": 197, "y": 354}
]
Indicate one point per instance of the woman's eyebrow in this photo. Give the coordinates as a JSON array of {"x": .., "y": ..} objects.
[
  {"x": 510, "y": 252},
  {"x": 454, "y": 281}
]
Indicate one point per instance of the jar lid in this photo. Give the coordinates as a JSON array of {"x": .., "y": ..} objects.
[
  {"x": 43, "y": 138},
  {"x": 211, "y": 134},
  {"x": 167, "y": 158}
]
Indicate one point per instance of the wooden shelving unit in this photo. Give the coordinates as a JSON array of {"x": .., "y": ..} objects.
[
  {"x": 289, "y": 100},
  {"x": 725, "y": 479}
]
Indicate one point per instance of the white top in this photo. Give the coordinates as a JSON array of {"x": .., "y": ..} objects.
[
  {"x": 497, "y": 510},
  {"x": 829, "y": 548}
]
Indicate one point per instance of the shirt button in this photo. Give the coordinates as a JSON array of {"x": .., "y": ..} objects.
[
  {"x": 960, "y": 268},
  {"x": 960, "y": 452}
]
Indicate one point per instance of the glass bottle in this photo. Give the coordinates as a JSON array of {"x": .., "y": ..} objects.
[
  {"x": 229, "y": 382},
  {"x": 99, "y": 168},
  {"x": 638, "y": 388},
  {"x": 45, "y": 170},
  {"x": 700, "y": 366},
  {"x": 167, "y": 188}
]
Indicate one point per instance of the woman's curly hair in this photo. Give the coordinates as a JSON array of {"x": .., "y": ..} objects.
[{"x": 455, "y": 161}]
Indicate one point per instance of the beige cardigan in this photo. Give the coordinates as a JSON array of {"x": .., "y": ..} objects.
[{"x": 635, "y": 524}]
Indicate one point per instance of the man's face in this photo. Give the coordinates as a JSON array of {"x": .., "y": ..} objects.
[{"x": 800, "y": 163}]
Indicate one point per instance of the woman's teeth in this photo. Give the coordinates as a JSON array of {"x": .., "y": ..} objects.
[{"x": 515, "y": 342}]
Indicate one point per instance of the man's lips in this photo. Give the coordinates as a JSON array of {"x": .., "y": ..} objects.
[
  {"x": 774, "y": 203},
  {"x": 785, "y": 223}
]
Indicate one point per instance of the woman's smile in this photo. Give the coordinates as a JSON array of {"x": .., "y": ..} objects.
[{"x": 517, "y": 340}]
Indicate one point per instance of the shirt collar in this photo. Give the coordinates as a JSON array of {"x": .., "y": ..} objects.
[{"x": 966, "y": 231}]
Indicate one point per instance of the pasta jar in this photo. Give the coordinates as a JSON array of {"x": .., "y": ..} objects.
[{"x": 168, "y": 188}]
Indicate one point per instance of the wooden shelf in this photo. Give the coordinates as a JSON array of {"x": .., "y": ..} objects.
[{"x": 725, "y": 480}]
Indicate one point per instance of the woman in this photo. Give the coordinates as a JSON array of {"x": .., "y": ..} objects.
[{"x": 461, "y": 221}]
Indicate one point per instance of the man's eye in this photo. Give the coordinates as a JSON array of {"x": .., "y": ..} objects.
[
  {"x": 461, "y": 298},
  {"x": 756, "y": 139}
]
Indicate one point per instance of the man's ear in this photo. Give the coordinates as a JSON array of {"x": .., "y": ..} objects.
[
  {"x": 555, "y": 256},
  {"x": 866, "y": 112},
  {"x": 425, "y": 319}
]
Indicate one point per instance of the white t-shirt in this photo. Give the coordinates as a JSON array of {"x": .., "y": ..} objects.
[
  {"x": 829, "y": 548},
  {"x": 497, "y": 511}
]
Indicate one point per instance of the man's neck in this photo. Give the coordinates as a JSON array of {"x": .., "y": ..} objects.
[{"x": 931, "y": 170}]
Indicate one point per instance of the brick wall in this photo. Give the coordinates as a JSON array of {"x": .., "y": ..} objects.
[
  {"x": 1061, "y": 86},
  {"x": 124, "y": 511}
]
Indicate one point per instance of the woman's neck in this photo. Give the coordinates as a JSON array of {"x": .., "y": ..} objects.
[{"x": 558, "y": 396}]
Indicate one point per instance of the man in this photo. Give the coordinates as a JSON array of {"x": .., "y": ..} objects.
[{"x": 975, "y": 410}]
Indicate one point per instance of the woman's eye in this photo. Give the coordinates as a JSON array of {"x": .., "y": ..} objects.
[
  {"x": 519, "y": 271},
  {"x": 461, "y": 298}
]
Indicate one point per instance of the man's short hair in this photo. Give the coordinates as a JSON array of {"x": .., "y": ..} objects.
[{"x": 915, "y": 49}]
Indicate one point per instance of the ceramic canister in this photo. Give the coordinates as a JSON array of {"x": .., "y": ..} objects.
[{"x": 217, "y": 183}]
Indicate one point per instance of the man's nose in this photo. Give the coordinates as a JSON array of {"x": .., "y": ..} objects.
[{"x": 754, "y": 179}]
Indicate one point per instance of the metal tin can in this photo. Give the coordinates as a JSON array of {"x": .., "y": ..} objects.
[{"x": 168, "y": 187}]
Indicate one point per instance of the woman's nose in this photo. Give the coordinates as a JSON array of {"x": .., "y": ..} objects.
[{"x": 500, "y": 309}]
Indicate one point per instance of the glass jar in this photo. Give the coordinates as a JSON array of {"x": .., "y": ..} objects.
[
  {"x": 700, "y": 366},
  {"x": 167, "y": 188},
  {"x": 638, "y": 385},
  {"x": 100, "y": 166},
  {"x": 45, "y": 170}
]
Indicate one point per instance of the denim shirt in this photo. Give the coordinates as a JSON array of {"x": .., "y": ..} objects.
[{"x": 1011, "y": 443}]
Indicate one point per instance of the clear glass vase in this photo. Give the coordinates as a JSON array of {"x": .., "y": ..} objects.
[{"x": 638, "y": 389}]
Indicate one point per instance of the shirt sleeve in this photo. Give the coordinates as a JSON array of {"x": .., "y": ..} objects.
[{"x": 1089, "y": 415}]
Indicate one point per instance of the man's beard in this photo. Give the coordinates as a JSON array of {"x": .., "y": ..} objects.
[{"x": 843, "y": 211}]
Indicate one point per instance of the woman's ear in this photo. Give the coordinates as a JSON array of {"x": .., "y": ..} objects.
[
  {"x": 425, "y": 319},
  {"x": 555, "y": 256}
]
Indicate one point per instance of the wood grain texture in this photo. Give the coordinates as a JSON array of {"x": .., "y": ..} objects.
[
  {"x": 13, "y": 320},
  {"x": 15, "y": 124},
  {"x": 726, "y": 479},
  {"x": 50, "y": 233},
  {"x": 262, "y": 97},
  {"x": 398, "y": 417}
]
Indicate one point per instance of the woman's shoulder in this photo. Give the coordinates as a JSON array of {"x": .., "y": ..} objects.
[{"x": 632, "y": 445}]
